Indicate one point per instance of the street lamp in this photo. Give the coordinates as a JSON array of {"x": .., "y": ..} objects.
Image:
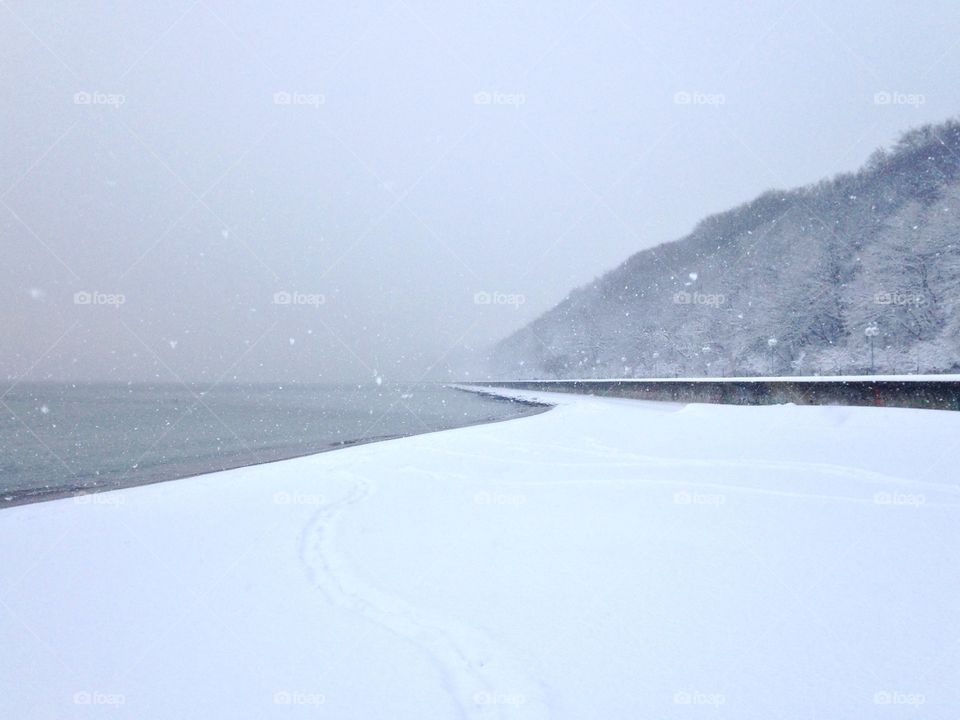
[
  {"x": 871, "y": 331},
  {"x": 772, "y": 344}
]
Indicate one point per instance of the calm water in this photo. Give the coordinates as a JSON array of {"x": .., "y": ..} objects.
[{"x": 57, "y": 439}]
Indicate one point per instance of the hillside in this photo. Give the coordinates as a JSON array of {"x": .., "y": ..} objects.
[{"x": 786, "y": 284}]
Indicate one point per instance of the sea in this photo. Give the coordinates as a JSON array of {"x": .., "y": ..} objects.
[{"x": 60, "y": 439}]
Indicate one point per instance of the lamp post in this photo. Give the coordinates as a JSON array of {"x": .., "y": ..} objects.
[{"x": 871, "y": 331}]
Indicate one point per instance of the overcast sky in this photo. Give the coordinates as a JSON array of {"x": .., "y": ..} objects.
[{"x": 234, "y": 189}]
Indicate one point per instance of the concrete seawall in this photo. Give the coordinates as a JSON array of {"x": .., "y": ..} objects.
[{"x": 931, "y": 393}]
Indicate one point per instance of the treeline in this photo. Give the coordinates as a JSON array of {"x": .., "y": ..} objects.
[{"x": 854, "y": 274}]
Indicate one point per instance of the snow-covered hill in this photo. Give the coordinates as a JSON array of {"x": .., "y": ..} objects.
[{"x": 802, "y": 281}]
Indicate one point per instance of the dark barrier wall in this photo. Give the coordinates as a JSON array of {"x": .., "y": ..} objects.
[{"x": 928, "y": 394}]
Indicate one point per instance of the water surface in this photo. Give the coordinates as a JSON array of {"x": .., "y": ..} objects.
[{"x": 60, "y": 439}]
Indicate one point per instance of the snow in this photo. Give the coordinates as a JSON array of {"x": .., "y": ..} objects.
[{"x": 609, "y": 558}]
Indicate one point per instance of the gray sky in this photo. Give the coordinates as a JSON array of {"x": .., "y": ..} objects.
[{"x": 220, "y": 189}]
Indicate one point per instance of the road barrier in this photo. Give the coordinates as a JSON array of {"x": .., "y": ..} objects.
[{"x": 927, "y": 392}]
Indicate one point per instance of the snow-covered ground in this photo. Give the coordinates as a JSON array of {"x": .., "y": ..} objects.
[{"x": 606, "y": 559}]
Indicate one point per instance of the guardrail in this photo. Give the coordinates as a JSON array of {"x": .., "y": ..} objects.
[{"x": 927, "y": 393}]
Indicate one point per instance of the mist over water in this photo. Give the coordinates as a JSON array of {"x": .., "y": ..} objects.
[{"x": 235, "y": 191}]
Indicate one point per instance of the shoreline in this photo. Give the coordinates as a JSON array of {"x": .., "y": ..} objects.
[{"x": 34, "y": 496}]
